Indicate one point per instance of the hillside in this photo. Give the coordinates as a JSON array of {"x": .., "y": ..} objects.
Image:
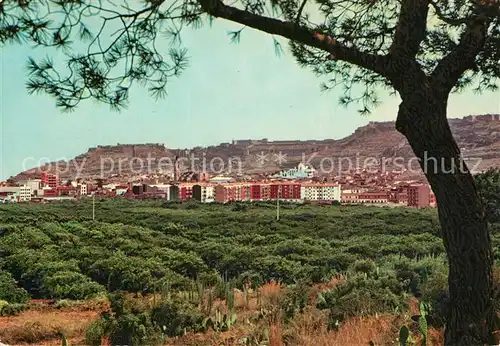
[{"x": 478, "y": 136}]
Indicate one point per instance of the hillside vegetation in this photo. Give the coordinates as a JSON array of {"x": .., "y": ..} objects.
[{"x": 158, "y": 271}]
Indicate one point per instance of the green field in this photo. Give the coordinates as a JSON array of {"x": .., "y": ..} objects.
[
  {"x": 151, "y": 242},
  {"x": 389, "y": 254}
]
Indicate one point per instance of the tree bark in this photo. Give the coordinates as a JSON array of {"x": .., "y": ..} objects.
[{"x": 422, "y": 120}]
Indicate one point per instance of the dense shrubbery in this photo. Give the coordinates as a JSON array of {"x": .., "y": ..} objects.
[
  {"x": 9, "y": 291},
  {"x": 129, "y": 323},
  {"x": 136, "y": 322},
  {"x": 383, "y": 255},
  {"x": 488, "y": 184},
  {"x": 55, "y": 251}
]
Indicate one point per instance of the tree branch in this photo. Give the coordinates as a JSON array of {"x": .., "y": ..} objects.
[
  {"x": 445, "y": 19},
  {"x": 463, "y": 57},
  {"x": 411, "y": 28},
  {"x": 300, "y": 34},
  {"x": 301, "y": 8}
]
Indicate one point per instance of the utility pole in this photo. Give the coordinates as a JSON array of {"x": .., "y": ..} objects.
[{"x": 93, "y": 206}]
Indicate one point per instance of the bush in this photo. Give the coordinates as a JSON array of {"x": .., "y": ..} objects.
[
  {"x": 364, "y": 266},
  {"x": 129, "y": 324},
  {"x": 294, "y": 300},
  {"x": 133, "y": 323},
  {"x": 12, "y": 309},
  {"x": 253, "y": 278},
  {"x": 3, "y": 303},
  {"x": 239, "y": 207},
  {"x": 71, "y": 285},
  {"x": 133, "y": 329},
  {"x": 175, "y": 317},
  {"x": 65, "y": 303},
  {"x": 95, "y": 332},
  {"x": 363, "y": 295},
  {"x": 9, "y": 291}
]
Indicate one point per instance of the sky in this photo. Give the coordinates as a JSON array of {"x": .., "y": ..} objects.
[{"x": 229, "y": 91}]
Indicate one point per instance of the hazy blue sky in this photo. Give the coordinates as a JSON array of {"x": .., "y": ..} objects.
[{"x": 228, "y": 92}]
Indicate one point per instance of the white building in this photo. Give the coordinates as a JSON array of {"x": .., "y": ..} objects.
[
  {"x": 354, "y": 190},
  {"x": 309, "y": 192},
  {"x": 16, "y": 193},
  {"x": 109, "y": 187},
  {"x": 25, "y": 193},
  {"x": 207, "y": 193},
  {"x": 320, "y": 192},
  {"x": 83, "y": 189},
  {"x": 302, "y": 171},
  {"x": 221, "y": 179},
  {"x": 34, "y": 184}
]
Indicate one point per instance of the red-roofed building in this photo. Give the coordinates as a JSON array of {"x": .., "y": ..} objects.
[
  {"x": 419, "y": 196},
  {"x": 50, "y": 180},
  {"x": 185, "y": 192},
  {"x": 376, "y": 197},
  {"x": 255, "y": 192},
  {"x": 225, "y": 193},
  {"x": 66, "y": 191},
  {"x": 49, "y": 192}
]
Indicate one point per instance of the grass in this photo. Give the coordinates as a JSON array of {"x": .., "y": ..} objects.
[
  {"x": 38, "y": 326},
  {"x": 42, "y": 326},
  {"x": 46, "y": 320}
]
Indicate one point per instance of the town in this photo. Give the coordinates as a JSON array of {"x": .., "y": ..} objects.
[{"x": 300, "y": 184}]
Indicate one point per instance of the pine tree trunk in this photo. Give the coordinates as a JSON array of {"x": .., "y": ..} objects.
[{"x": 422, "y": 119}]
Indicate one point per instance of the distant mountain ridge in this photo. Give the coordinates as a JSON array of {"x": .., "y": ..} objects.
[{"x": 477, "y": 135}]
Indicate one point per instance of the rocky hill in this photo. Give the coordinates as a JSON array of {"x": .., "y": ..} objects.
[{"x": 375, "y": 144}]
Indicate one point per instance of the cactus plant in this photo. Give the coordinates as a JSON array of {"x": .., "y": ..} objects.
[
  {"x": 210, "y": 302},
  {"x": 220, "y": 322},
  {"x": 229, "y": 296},
  {"x": 404, "y": 335},
  {"x": 64, "y": 342},
  {"x": 404, "y": 332},
  {"x": 422, "y": 322}
]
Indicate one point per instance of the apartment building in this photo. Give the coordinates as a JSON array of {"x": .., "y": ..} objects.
[
  {"x": 161, "y": 190},
  {"x": 243, "y": 192},
  {"x": 255, "y": 192},
  {"x": 225, "y": 193},
  {"x": 331, "y": 192},
  {"x": 34, "y": 184},
  {"x": 186, "y": 191},
  {"x": 398, "y": 195},
  {"x": 49, "y": 192},
  {"x": 349, "y": 198},
  {"x": 16, "y": 193},
  {"x": 374, "y": 197},
  {"x": 50, "y": 180},
  {"x": 265, "y": 192},
  {"x": 321, "y": 192},
  {"x": 419, "y": 195},
  {"x": 203, "y": 193},
  {"x": 173, "y": 193},
  {"x": 285, "y": 191},
  {"x": 81, "y": 189}
]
